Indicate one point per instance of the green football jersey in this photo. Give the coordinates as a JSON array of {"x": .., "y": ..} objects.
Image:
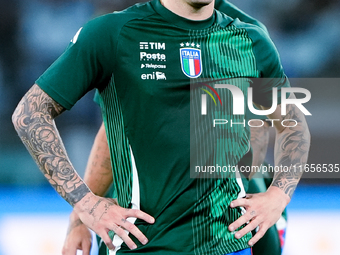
[{"x": 142, "y": 61}]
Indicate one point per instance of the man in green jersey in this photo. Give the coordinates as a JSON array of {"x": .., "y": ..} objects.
[
  {"x": 98, "y": 172},
  {"x": 142, "y": 61}
]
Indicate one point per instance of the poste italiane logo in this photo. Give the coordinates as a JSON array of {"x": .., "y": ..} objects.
[{"x": 191, "y": 59}]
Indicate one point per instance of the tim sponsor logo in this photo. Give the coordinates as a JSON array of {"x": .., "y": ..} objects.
[{"x": 151, "y": 46}]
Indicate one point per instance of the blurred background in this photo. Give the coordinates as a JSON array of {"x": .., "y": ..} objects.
[{"x": 33, "y": 33}]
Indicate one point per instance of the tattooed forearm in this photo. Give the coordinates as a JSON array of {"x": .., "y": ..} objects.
[
  {"x": 259, "y": 142},
  {"x": 77, "y": 194},
  {"x": 287, "y": 181},
  {"x": 291, "y": 150},
  {"x": 33, "y": 119}
]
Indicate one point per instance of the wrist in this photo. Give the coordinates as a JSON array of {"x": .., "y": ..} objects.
[
  {"x": 76, "y": 195},
  {"x": 84, "y": 204},
  {"x": 279, "y": 194}
]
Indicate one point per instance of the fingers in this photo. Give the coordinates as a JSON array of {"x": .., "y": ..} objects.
[
  {"x": 140, "y": 215},
  {"x": 107, "y": 240},
  {"x": 123, "y": 234},
  {"x": 251, "y": 226},
  {"x": 69, "y": 250},
  {"x": 126, "y": 226},
  {"x": 244, "y": 202},
  {"x": 125, "y": 237},
  {"x": 86, "y": 247},
  {"x": 239, "y": 222},
  {"x": 106, "y": 215},
  {"x": 260, "y": 212},
  {"x": 258, "y": 235},
  {"x": 246, "y": 217},
  {"x": 78, "y": 239},
  {"x": 134, "y": 231}
]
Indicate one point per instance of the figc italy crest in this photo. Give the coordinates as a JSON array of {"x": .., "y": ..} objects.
[{"x": 191, "y": 60}]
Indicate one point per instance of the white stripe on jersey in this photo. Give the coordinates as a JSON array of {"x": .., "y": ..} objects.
[{"x": 135, "y": 201}]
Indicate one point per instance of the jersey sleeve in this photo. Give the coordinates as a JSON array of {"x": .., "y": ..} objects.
[
  {"x": 268, "y": 64},
  {"x": 86, "y": 64}
]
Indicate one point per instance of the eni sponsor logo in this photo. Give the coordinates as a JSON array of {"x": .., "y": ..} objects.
[{"x": 154, "y": 76}]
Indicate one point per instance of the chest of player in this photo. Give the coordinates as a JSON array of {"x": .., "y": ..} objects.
[{"x": 157, "y": 62}]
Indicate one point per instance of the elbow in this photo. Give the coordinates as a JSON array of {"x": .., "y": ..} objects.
[
  {"x": 15, "y": 116},
  {"x": 20, "y": 118}
]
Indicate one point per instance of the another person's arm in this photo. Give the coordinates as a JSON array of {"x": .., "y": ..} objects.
[
  {"x": 98, "y": 173},
  {"x": 33, "y": 120},
  {"x": 98, "y": 177},
  {"x": 291, "y": 151}
]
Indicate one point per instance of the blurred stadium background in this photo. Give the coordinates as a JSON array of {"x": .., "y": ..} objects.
[{"x": 33, "y": 219}]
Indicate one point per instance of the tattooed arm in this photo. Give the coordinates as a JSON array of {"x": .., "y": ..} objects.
[
  {"x": 291, "y": 149},
  {"x": 33, "y": 119},
  {"x": 291, "y": 152},
  {"x": 259, "y": 138},
  {"x": 98, "y": 177}
]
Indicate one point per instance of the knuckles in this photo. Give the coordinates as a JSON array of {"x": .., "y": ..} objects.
[{"x": 130, "y": 227}]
